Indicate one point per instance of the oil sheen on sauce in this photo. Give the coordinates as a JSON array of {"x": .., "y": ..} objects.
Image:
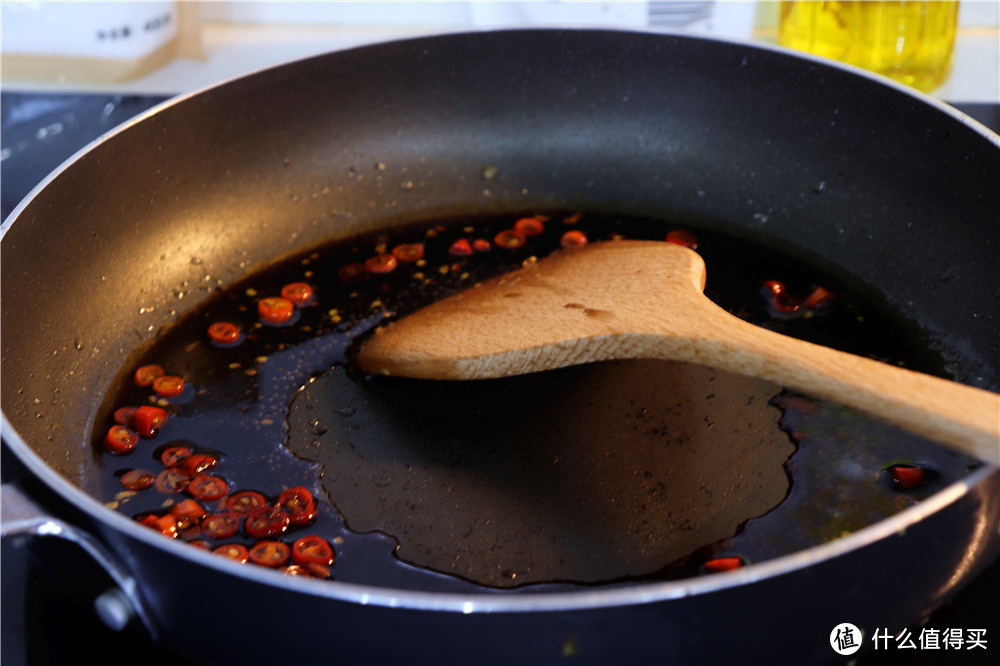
[{"x": 605, "y": 474}]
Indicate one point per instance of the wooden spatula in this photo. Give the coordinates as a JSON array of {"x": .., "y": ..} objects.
[{"x": 644, "y": 299}]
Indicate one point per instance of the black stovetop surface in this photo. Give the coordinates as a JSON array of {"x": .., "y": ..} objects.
[{"x": 41, "y": 624}]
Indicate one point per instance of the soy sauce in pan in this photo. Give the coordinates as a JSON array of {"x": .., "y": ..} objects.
[{"x": 244, "y": 404}]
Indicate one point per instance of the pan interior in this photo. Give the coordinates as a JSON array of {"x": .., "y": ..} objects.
[{"x": 610, "y": 473}]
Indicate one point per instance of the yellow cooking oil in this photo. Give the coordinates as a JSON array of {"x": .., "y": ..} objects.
[{"x": 906, "y": 40}]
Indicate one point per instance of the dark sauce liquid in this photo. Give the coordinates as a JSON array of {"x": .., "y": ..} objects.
[{"x": 237, "y": 400}]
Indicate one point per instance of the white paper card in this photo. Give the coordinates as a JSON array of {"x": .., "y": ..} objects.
[{"x": 102, "y": 30}]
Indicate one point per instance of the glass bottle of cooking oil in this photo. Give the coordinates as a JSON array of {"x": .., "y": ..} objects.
[{"x": 907, "y": 40}]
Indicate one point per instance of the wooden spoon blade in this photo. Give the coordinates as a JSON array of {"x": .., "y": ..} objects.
[{"x": 574, "y": 306}]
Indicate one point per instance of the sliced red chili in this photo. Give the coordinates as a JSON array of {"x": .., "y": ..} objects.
[
  {"x": 125, "y": 416},
  {"x": 353, "y": 272},
  {"x": 724, "y": 563},
  {"x": 275, "y": 310},
  {"x": 298, "y": 504},
  {"x": 175, "y": 455},
  {"x": 220, "y": 525},
  {"x": 510, "y": 239},
  {"x": 165, "y": 525},
  {"x": 819, "y": 298},
  {"x": 299, "y": 293},
  {"x": 312, "y": 550},
  {"x": 296, "y": 570},
  {"x": 481, "y": 245},
  {"x": 460, "y": 248},
  {"x": 149, "y": 420},
  {"x": 188, "y": 514},
  {"x": 207, "y": 487},
  {"x": 266, "y": 522},
  {"x": 172, "y": 480},
  {"x": 409, "y": 252},
  {"x": 145, "y": 375},
  {"x": 572, "y": 239},
  {"x": 138, "y": 479},
  {"x": 271, "y": 554},
  {"x": 197, "y": 463},
  {"x": 529, "y": 226},
  {"x": 245, "y": 501},
  {"x": 234, "y": 551},
  {"x": 224, "y": 333},
  {"x": 683, "y": 238},
  {"x": 381, "y": 263},
  {"x": 319, "y": 571},
  {"x": 120, "y": 440},
  {"x": 146, "y": 520},
  {"x": 168, "y": 386},
  {"x": 908, "y": 477},
  {"x": 780, "y": 302}
]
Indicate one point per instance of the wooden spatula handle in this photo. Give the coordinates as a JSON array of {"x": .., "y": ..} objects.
[{"x": 966, "y": 417}]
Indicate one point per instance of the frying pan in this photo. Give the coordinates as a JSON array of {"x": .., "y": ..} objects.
[{"x": 896, "y": 191}]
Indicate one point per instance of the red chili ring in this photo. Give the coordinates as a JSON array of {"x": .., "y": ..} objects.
[
  {"x": 299, "y": 293},
  {"x": 149, "y": 420},
  {"x": 120, "y": 440},
  {"x": 510, "y": 239},
  {"x": 175, "y": 455},
  {"x": 460, "y": 248},
  {"x": 220, "y": 525},
  {"x": 270, "y": 554},
  {"x": 197, "y": 463},
  {"x": 172, "y": 480},
  {"x": 381, "y": 263},
  {"x": 275, "y": 310},
  {"x": 266, "y": 522},
  {"x": 234, "y": 551},
  {"x": 125, "y": 416},
  {"x": 138, "y": 479},
  {"x": 208, "y": 488},
  {"x": 168, "y": 386},
  {"x": 529, "y": 226},
  {"x": 683, "y": 238},
  {"x": 312, "y": 549},
  {"x": 298, "y": 504},
  {"x": 409, "y": 252},
  {"x": 145, "y": 375},
  {"x": 724, "y": 564},
  {"x": 224, "y": 333},
  {"x": 908, "y": 477},
  {"x": 573, "y": 239},
  {"x": 245, "y": 502}
]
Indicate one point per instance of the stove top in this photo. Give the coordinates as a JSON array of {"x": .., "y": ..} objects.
[{"x": 41, "y": 624}]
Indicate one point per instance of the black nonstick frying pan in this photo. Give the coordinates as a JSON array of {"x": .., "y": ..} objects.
[{"x": 893, "y": 190}]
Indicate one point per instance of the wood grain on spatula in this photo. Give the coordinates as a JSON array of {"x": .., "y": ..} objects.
[{"x": 644, "y": 299}]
